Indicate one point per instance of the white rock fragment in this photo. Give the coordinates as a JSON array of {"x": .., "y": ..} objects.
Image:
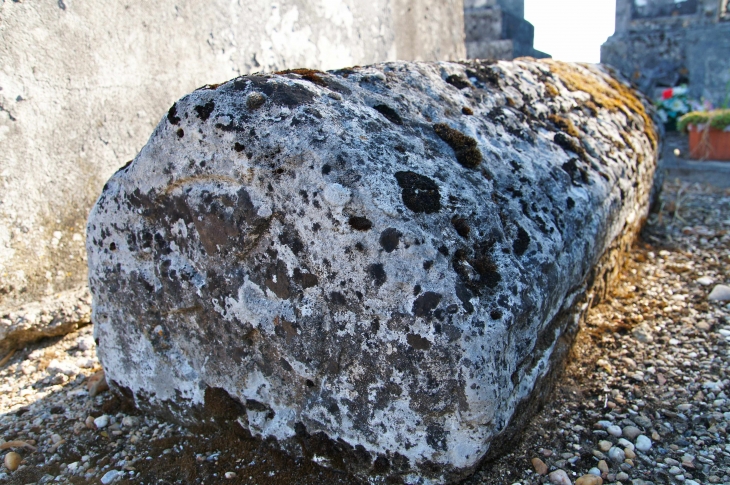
[
  {"x": 102, "y": 421},
  {"x": 720, "y": 293},
  {"x": 705, "y": 280},
  {"x": 643, "y": 443},
  {"x": 64, "y": 367},
  {"x": 111, "y": 476}
]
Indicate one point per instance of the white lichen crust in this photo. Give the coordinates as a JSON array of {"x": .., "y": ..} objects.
[{"x": 376, "y": 265}]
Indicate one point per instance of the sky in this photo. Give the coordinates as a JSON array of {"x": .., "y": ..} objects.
[{"x": 571, "y": 30}]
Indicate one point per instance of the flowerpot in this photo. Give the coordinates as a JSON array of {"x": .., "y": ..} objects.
[{"x": 708, "y": 143}]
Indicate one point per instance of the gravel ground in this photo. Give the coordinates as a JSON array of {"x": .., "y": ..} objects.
[{"x": 643, "y": 400}]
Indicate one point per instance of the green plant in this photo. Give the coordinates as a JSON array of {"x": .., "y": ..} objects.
[{"x": 718, "y": 119}]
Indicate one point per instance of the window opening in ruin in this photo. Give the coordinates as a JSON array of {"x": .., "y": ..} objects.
[{"x": 648, "y": 9}]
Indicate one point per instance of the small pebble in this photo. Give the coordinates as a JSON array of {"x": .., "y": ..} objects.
[
  {"x": 559, "y": 477},
  {"x": 110, "y": 476},
  {"x": 540, "y": 467},
  {"x": 720, "y": 293},
  {"x": 603, "y": 466},
  {"x": 595, "y": 471},
  {"x": 626, "y": 443},
  {"x": 614, "y": 430},
  {"x": 616, "y": 454},
  {"x": 90, "y": 422},
  {"x": 102, "y": 421},
  {"x": 675, "y": 470},
  {"x": 604, "y": 445},
  {"x": 12, "y": 461},
  {"x": 631, "y": 432},
  {"x": 630, "y": 455},
  {"x": 622, "y": 476},
  {"x": 589, "y": 479},
  {"x": 230, "y": 475},
  {"x": 643, "y": 443}
]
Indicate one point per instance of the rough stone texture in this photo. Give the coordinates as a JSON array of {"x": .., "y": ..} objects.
[
  {"x": 50, "y": 317},
  {"x": 82, "y": 84},
  {"x": 497, "y": 29},
  {"x": 382, "y": 268},
  {"x": 664, "y": 43}
]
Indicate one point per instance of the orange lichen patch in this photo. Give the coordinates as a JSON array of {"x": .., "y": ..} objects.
[
  {"x": 605, "y": 92},
  {"x": 310, "y": 75},
  {"x": 565, "y": 124},
  {"x": 551, "y": 90}
]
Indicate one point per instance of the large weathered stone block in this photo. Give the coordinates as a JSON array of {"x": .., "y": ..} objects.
[{"x": 379, "y": 267}]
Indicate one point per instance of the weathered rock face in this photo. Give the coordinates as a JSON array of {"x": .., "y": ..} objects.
[{"x": 378, "y": 267}]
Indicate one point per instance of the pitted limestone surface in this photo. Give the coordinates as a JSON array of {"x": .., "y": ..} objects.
[{"x": 378, "y": 264}]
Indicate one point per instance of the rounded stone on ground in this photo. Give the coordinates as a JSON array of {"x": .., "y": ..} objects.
[
  {"x": 631, "y": 432},
  {"x": 616, "y": 454},
  {"x": 614, "y": 430},
  {"x": 540, "y": 467},
  {"x": 110, "y": 476},
  {"x": 230, "y": 475},
  {"x": 720, "y": 293},
  {"x": 595, "y": 471},
  {"x": 102, "y": 421},
  {"x": 604, "y": 445},
  {"x": 630, "y": 455},
  {"x": 626, "y": 443},
  {"x": 603, "y": 466},
  {"x": 90, "y": 422},
  {"x": 589, "y": 479},
  {"x": 643, "y": 443},
  {"x": 559, "y": 477},
  {"x": 622, "y": 476},
  {"x": 12, "y": 461}
]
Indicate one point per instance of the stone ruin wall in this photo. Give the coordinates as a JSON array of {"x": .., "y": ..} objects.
[
  {"x": 664, "y": 43},
  {"x": 83, "y": 84}
]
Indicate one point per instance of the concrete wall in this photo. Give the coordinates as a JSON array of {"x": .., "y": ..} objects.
[{"x": 82, "y": 85}]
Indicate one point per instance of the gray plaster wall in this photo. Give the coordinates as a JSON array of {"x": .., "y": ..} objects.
[{"x": 83, "y": 84}]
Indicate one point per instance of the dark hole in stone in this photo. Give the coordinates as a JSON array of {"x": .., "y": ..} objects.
[
  {"x": 457, "y": 81},
  {"x": 522, "y": 242},
  {"x": 419, "y": 193},
  {"x": 425, "y": 303},
  {"x": 461, "y": 226},
  {"x": 172, "y": 116},
  {"x": 113, "y": 246},
  {"x": 418, "y": 342},
  {"x": 465, "y": 147},
  {"x": 58, "y": 410},
  {"x": 416, "y": 290},
  {"x": 577, "y": 173},
  {"x": 180, "y": 133},
  {"x": 238, "y": 147},
  {"x": 338, "y": 298},
  {"x": 219, "y": 404},
  {"x": 389, "y": 239},
  {"x": 389, "y": 113},
  {"x": 360, "y": 223},
  {"x": 326, "y": 169},
  {"x": 310, "y": 383},
  {"x": 570, "y": 203},
  {"x": 496, "y": 314},
  {"x": 381, "y": 465},
  {"x": 427, "y": 264},
  {"x": 377, "y": 273},
  {"x": 467, "y": 111},
  {"x": 205, "y": 110},
  {"x": 443, "y": 250}
]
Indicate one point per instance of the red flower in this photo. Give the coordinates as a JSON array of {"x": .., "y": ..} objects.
[{"x": 667, "y": 93}]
